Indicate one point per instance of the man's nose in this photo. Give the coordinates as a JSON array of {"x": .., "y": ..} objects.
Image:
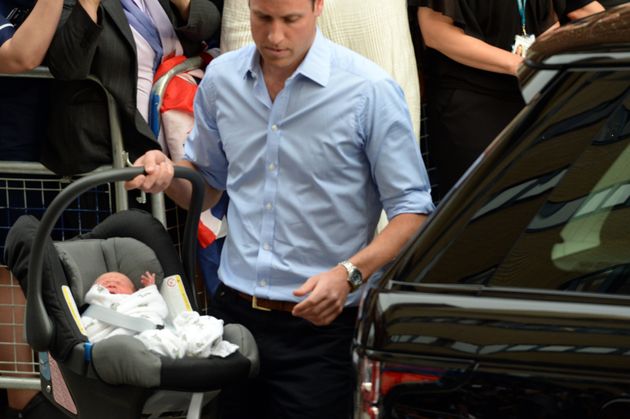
[{"x": 276, "y": 33}]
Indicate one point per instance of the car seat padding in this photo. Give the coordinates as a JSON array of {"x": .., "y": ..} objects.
[
  {"x": 84, "y": 260},
  {"x": 138, "y": 366}
]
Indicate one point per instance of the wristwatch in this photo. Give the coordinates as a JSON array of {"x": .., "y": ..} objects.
[{"x": 355, "y": 279}]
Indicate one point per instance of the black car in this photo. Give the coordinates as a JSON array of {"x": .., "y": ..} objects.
[{"x": 514, "y": 299}]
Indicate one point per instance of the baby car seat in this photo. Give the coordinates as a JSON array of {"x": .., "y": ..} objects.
[{"x": 116, "y": 376}]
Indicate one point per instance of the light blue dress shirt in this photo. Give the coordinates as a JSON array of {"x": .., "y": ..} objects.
[{"x": 308, "y": 173}]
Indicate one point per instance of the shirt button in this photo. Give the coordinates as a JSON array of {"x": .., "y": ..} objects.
[
  {"x": 262, "y": 283},
  {"x": 268, "y": 206},
  {"x": 271, "y": 167},
  {"x": 274, "y": 128},
  {"x": 267, "y": 246}
]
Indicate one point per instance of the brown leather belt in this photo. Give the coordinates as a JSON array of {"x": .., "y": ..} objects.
[{"x": 262, "y": 303}]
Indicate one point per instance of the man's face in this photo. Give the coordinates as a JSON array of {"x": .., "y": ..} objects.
[{"x": 283, "y": 31}]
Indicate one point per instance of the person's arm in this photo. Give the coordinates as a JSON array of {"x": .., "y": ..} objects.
[
  {"x": 202, "y": 146},
  {"x": 159, "y": 178},
  {"x": 28, "y": 46},
  {"x": 397, "y": 169},
  {"x": 74, "y": 46},
  {"x": 329, "y": 290},
  {"x": 589, "y": 9},
  {"x": 195, "y": 21},
  {"x": 440, "y": 33}
]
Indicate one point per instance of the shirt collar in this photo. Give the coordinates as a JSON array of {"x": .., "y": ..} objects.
[
  {"x": 251, "y": 67},
  {"x": 315, "y": 66}
]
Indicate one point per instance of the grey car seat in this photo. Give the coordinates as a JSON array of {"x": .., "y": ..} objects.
[{"x": 116, "y": 376}]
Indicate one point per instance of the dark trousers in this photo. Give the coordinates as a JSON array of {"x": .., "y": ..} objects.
[
  {"x": 461, "y": 125},
  {"x": 305, "y": 370}
]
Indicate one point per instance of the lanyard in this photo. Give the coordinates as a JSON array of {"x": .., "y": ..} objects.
[{"x": 521, "y": 11}]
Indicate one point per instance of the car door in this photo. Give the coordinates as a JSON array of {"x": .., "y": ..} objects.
[{"x": 514, "y": 302}]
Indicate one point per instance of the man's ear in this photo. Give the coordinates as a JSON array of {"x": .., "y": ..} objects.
[{"x": 318, "y": 6}]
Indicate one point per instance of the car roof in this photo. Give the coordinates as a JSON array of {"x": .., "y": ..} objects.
[{"x": 602, "y": 39}]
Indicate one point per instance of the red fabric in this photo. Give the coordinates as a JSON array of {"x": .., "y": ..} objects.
[
  {"x": 179, "y": 94},
  {"x": 167, "y": 65},
  {"x": 205, "y": 236},
  {"x": 206, "y": 58}
]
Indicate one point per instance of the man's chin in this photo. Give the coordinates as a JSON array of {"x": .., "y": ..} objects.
[{"x": 277, "y": 57}]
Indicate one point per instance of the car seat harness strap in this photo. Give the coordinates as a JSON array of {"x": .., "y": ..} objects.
[{"x": 115, "y": 318}]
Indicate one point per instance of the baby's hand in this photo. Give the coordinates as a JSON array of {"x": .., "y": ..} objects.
[{"x": 147, "y": 279}]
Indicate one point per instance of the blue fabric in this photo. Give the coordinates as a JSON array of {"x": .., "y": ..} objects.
[
  {"x": 143, "y": 24},
  {"x": 6, "y": 30},
  {"x": 23, "y": 104},
  {"x": 7, "y": 5},
  {"x": 23, "y": 117},
  {"x": 308, "y": 173}
]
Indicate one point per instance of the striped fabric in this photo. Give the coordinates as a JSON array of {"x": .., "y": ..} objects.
[{"x": 376, "y": 29}]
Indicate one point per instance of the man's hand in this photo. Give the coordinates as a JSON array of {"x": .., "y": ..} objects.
[
  {"x": 328, "y": 293},
  {"x": 159, "y": 173}
]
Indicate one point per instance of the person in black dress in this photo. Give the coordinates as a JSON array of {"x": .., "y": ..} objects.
[{"x": 473, "y": 50}]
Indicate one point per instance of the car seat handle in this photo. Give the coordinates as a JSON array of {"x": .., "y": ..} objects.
[{"x": 39, "y": 326}]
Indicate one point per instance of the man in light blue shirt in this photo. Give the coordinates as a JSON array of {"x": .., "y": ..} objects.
[{"x": 310, "y": 140}]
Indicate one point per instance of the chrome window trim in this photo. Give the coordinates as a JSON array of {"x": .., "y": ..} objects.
[{"x": 551, "y": 66}]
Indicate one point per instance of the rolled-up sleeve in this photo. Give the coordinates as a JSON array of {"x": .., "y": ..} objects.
[
  {"x": 204, "y": 147},
  {"x": 396, "y": 164}
]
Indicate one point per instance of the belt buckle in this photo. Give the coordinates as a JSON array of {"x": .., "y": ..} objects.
[{"x": 256, "y": 306}]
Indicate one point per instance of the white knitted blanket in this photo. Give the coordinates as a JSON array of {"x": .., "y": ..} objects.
[{"x": 189, "y": 335}]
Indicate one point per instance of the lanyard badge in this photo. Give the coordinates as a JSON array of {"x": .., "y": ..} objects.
[{"x": 523, "y": 41}]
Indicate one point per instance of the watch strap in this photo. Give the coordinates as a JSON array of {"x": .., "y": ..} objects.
[{"x": 352, "y": 271}]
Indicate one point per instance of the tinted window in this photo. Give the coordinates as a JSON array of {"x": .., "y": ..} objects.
[{"x": 558, "y": 215}]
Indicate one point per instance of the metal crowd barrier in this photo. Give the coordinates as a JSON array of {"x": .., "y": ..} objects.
[{"x": 27, "y": 188}]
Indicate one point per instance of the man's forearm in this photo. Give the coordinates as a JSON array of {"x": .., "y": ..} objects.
[
  {"x": 386, "y": 246},
  {"x": 180, "y": 190}
]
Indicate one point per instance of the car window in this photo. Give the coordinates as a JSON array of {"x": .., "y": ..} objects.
[{"x": 558, "y": 215}]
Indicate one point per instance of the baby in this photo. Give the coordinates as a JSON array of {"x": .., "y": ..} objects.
[
  {"x": 117, "y": 292},
  {"x": 189, "y": 334},
  {"x": 117, "y": 283}
]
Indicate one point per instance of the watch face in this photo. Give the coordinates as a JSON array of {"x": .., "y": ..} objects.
[{"x": 355, "y": 278}]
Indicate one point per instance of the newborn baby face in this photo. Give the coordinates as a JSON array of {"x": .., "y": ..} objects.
[{"x": 116, "y": 283}]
